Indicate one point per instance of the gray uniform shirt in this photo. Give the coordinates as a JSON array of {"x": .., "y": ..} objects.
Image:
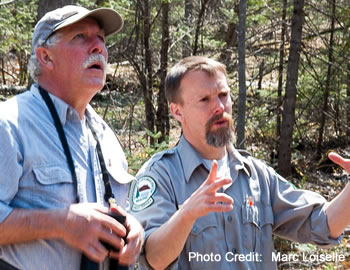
[{"x": 264, "y": 204}]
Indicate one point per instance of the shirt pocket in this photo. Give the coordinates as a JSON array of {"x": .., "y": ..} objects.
[
  {"x": 53, "y": 186},
  {"x": 264, "y": 244},
  {"x": 257, "y": 229},
  {"x": 202, "y": 242},
  {"x": 250, "y": 221}
]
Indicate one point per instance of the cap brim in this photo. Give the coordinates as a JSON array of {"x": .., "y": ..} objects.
[{"x": 109, "y": 19}]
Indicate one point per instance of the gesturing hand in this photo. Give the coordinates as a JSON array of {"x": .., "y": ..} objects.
[
  {"x": 206, "y": 199},
  {"x": 345, "y": 163},
  {"x": 85, "y": 224}
]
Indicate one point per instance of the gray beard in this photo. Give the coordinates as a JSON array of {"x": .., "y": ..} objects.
[{"x": 220, "y": 137}]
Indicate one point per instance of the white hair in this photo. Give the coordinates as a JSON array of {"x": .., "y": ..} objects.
[{"x": 34, "y": 64}]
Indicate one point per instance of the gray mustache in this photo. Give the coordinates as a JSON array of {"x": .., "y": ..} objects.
[{"x": 93, "y": 58}]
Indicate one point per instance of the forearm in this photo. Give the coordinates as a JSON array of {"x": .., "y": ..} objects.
[
  {"x": 24, "y": 225},
  {"x": 338, "y": 212},
  {"x": 165, "y": 244}
]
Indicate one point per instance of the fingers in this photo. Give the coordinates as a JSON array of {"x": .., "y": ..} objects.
[
  {"x": 221, "y": 207},
  {"x": 336, "y": 158},
  {"x": 219, "y": 183},
  {"x": 223, "y": 198},
  {"x": 95, "y": 206},
  {"x": 104, "y": 238},
  {"x": 128, "y": 255},
  {"x": 213, "y": 172},
  {"x": 130, "y": 252},
  {"x": 96, "y": 252},
  {"x": 117, "y": 209},
  {"x": 86, "y": 225},
  {"x": 116, "y": 227},
  {"x": 111, "y": 240},
  {"x": 219, "y": 202},
  {"x": 93, "y": 249},
  {"x": 212, "y": 179},
  {"x": 93, "y": 255}
]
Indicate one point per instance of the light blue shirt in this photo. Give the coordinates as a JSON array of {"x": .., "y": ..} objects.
[{"x": 35, "y": 173}]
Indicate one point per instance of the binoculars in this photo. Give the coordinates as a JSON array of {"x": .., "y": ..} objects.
[{"x": 87, "y": 264}]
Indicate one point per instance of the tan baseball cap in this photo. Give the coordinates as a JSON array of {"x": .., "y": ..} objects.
[{"x": 109, "y": 19}]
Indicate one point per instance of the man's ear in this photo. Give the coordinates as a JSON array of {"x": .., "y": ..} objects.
[
  {"x": 176, "y": 111},
  {"x": 43, "y": 56}
]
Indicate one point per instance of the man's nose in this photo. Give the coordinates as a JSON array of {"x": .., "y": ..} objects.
[
  {"x": 98, "y": 46},
  {"x": 219, "y": 106}
]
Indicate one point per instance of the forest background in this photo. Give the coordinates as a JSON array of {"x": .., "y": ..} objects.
[{"x": 288, "y": 64}]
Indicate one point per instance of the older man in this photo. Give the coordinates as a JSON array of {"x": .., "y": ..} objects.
[
  {"x": 62, "y": 169},
  {"x": 206, "y": 205}
]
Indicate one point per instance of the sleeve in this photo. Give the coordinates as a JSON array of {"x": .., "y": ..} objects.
[
  {"x": 10, "y": 167},
  {"x": 152, "y": 200},
  {"x": 299, "y": 215}
]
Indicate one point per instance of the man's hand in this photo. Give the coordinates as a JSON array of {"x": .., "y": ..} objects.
[
  {"x": 86, "y": 225},
  {"x": 206, "y": 199},
  {"x": 338, "y": 215},
  {"x": 345, "y": 163},
  {"x": 134, "y": 239}
]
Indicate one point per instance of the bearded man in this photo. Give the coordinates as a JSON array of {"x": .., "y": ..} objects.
[{"x": 206, "y": 205}]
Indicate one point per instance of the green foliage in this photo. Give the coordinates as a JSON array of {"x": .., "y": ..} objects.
[
  {"x": 136, "y": 160},
  {"x": 263, "y": 40},
  {"x": 16, "y": 26}
]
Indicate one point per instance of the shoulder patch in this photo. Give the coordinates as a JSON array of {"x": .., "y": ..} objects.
[{"x": 142, "y": 193}]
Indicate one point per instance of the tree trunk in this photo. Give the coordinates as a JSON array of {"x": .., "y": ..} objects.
[
  {"x": 280, "y": 73},
  {"x": 241, "y": 75},
  {"x": 348, "y": 103},
  {"x": 47, "y": 5},
  {"x": 162, "y": 111},
  {"x": 288, "y": 116},
  {"x": 148, "y": 90},
  {"x": 261, "y": 74},
  {"x": 327, "y": 86},
  {"x": 3, "y": 69},
  {"x": 186, "y": 42},
  {"x": 199, "y": 25},
  {"x": 230, "y": 40}
]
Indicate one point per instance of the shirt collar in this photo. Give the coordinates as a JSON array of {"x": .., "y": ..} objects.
[
  {"x": 191, "y": 159},
  {"x": 95, "y": 120},
  {"x": 65, "y": 112},
  {"x": 239, "y": 161}
]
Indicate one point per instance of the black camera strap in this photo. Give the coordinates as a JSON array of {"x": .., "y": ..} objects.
[
  {"x": 109, "y": 197},
  {"x": 6, "y": 266},
  {"x": 62, "y": 136}
]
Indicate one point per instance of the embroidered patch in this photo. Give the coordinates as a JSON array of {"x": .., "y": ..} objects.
[{"x": 142, "y": 193}]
